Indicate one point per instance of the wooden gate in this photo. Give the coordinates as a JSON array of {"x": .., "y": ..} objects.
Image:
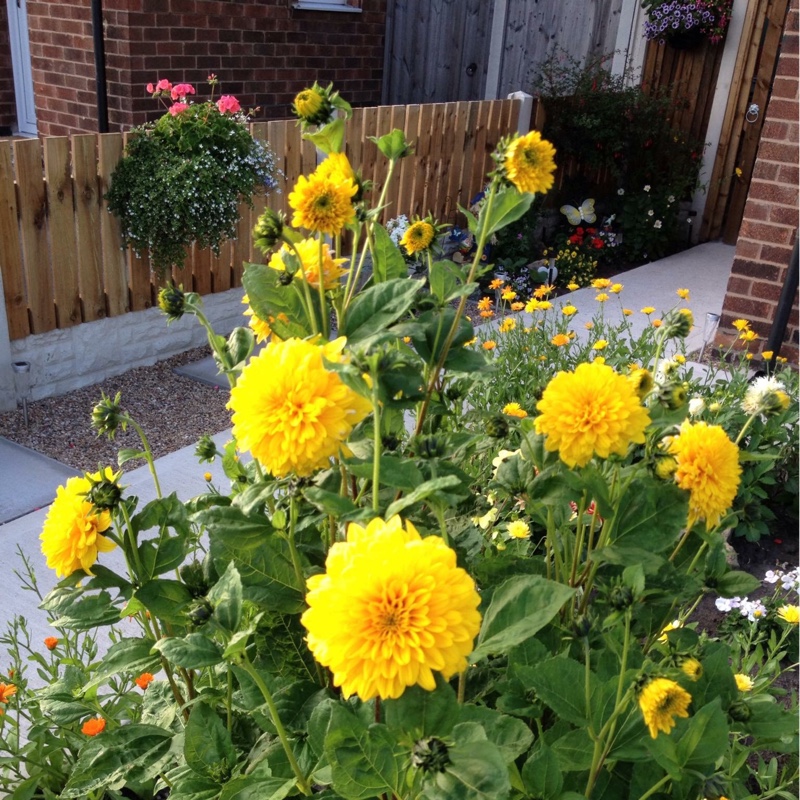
[{"x": 753, "y": 75}]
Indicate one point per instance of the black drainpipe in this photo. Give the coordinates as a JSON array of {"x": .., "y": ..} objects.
[
  {"x": 784, "y": 308},
  {"x": 100, "y": 66}
]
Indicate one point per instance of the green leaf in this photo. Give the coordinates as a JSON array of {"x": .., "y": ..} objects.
[
  {"x": 395, "y": 472},
  {"x": 253, "y": 787},
  {"x": 207, "y": 745},
  {"x": 542, "y": 774},
  {"x": 628, "y": 556},
  {"x": 706, "y": 737},
  {"x": 127, "y": 655},
  {"x": 519, "y": 608},
  {"x": 226, "y": 599},
  {"x": 574, "y": 751},
  {"x": 104, "y": 761},
  {"x": 192, "y": 651},
  {"x": 329, "y": 502},
  {"x": 422, "y": 493},
  {"x": 511, "y": 736},
  {"x": 269, "y": 299},
  {"x": 378, "y": 307},
  {"x": 365, "y": 761},
  {"x": 84, "y": 612},
  {"x": 559, "y": 683},
  {"x": 422, "y": 713},
  {"x": 650, "y": 515},
  {"x": 387, "y": 261},
  {"x": 736, "y": 584},
  {"x": 240, "y": 345},
  {"x": 330, "y": 137},
  {"x": 165, "y": 599},
  {"x": 393, "y": 145},
  {"x": 162, "y": 555},
  {"x": 444, "y": 278},
  {"x": 194, "y": 787},
  {"x": 508, "y": 206},
  {"x": 127, "y": 454}
]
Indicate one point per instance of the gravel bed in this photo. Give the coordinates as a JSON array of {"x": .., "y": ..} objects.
[{"x": 173, "y": 411}]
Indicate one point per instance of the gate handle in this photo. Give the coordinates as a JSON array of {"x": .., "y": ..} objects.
[{"x": 752, "y": 113}]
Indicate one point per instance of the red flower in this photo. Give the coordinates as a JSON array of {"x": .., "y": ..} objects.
[
  {"x": 228, "y": 104},
  {"x": 163, "y": 86},
  {"x": 150, "y": 88},
  {"x": 580, "y": 230},
  {"x": 177, "y": 108},
  {"x": 181, "y": 90},
  {"x": 597, "y": 244},
  {"x": 575, "y": 239}
]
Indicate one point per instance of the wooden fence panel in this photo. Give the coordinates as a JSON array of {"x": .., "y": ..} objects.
[
  {"x": 87, "y": 226},
  {"x": 115, "y": 271},
  {"x": 460, "y": 119},
  {"x": 11, "y": 249}
]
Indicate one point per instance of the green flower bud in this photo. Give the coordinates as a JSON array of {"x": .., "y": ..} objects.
[
  {"x": 497, "y": 427},
  {"x": 313, "y": 106},
  {"x": 268, "y": 230},
  {"x": 108, "y": 416},
  {"x": 430, "y": 447},
  {"x": 678, "y": 323},
  {"x": 105, "y": 494},
  {"x": 581, "y": 627},
  {"x": 673, "y": 396},
  {"x": 193, "y": 575},
  {"x": 739, "y": 711},
  {"x": 172, "y": 301},
  {"x": 201, "y": 612},
  {"x": 620, "y": 598},
  {"x": 430, "y": 755},
  {"x": 206, "y": 451},
  {"x": 390, "y": 442},
  {"x": 665, "y": 467}
]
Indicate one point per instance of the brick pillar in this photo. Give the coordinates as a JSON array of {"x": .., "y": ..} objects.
[{"x": 769, "y": 226}]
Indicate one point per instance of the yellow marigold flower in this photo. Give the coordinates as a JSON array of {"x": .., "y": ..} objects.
[
  {"x": 766, "y": 354},
  {"x": 572, "y": 286},
  {"x": 497, "y": 283},
  {"x": 627, "y": 311},
  {"x": 560, "y": 339},
  {"x": 489, "y": 345},
  {"x": 748, "y": 336},
  {"x": 660, "y": 702},
  {"x": 508, "y": 294},
  {"x": 744, "y": 683},
  {"x": 569, "y": 310},
  {"x": 601, "y": 283},
  {"x": 615, "y": 288},
  {"x": 532, "y": 305},
  {"x": 487, "y": 314},
  {"x": 391, "y": 609},
  {"x": 600, "y": 344},
  {"x": 708, "y": 468},
  {"x": 321, "y": 204},
  {"x": 515, "y": 410},
  {"x": 545, "y": 305},
  {"x": 485, "y": 304},
  {"x": 692, "y": 668},
  {"x": 781, "y": 359},
  {"x": 207, "y": 476},
  {"x": 519, "y": 529},
  {"x": 337, "y": 167},
  {"x": 529, "y": 163},
  {"x": 657, "y": 323},
  {"x": 670, "y": 626},
  {"x": 72, "y": 533},
  {"x": 542, "y": 291},
  {"x": 419, "y": 236},
  {"x": 790, "y": 614},
  {"x": 648, "y": 310},
  {"x": 517, "y": 306},
  {"x": 602, "y": 297},
  {"x": 309, "y": 252},
  {"x": 508, "y": 324},
  {"x": 589, "y": 325},
  {"x": 680, "y": 358},
  {"x": 591, "y": 411},
  {"x": 683, "y": 294},
  {"x": 260, "y": 328},
  {"x": 741, "y": 324},
  {"x": 290, "y": 412}
]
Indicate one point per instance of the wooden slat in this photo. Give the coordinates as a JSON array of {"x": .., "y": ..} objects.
[
  {"x": 33, "y": 227},
  {"x": 139, "y": 286},
  {"x": 115, "y": 276},
  {"x": 87, "y": 226},
  {"x": 11, "y": 262},
  {"x": 63, "y": 244},
  {"x": 452, "y": 195},
  {"x": 369, "y": 152},
  {"x": 408, "y": 166},
  {"x": 293, "y": 163}
]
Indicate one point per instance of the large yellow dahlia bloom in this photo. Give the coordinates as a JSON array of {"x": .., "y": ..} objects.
[
  {"x": 661, "y": 701},
  {"x": 391, "y": 609},
  {"x": 708, "y": 468},
  {"x": 309, "y": 252},
  {"x": 322, "y": 204},
  {"x": 72, "y": 533},
  {"x": 592, "y": 411},
  {"x": 289, "y": 411},
  {"x": 529, "y": 163},
  {"x": 336, "y": 167}
]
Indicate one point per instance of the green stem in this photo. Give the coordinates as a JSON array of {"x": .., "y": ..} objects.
[
  {"x": 321, "y": 287},
  {"x": 138, "y": 567},
  {"x": 306, "y": 290},
  {"x": 654, "y": 788},
  {"x": 148, "y": 454},
  {"x": 745, "y": 427},
  {"x": 295, "y": 556},
  {"x": 229, "y": 701},
  {"x": 222, "y": 353},
  {"x": 302, "y": 781},
  {"x": 378, "y": 446}
]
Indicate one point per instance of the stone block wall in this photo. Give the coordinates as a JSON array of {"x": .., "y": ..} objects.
[
  {"x": 769, "y": 227},
  {"x": 263, "y": 51}
]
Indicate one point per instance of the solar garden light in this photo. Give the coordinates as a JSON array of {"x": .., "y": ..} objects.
[
  {"x": 709, "y": 329},
  {"x": 22, "y": 385}
]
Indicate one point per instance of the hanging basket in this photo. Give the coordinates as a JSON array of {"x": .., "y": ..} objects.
[{"x": 686, "y": 40}]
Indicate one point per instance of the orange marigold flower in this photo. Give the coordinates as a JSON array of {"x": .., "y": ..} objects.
[
  {"x": 490, "y": 345},
  {"x": 560, "y": 339},
  {"x": 497, "y": 283},
  {"x": 6, "y": 691},
  {"x": 51, "y": 642},
  {"x": 485, "y": 304},
  {"x": 144, "y": 680},
  {"x": 93, "y": 726}
]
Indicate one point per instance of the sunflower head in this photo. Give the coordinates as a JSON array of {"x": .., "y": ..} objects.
[
  {"x": 108, "y": 416},
  {"x": 527, "y": 162},
  {"x": 419, "y": 236},
  {"x": 105, "y": 492},
  {"x": 322, "y": 204},
  {"x": 313, "y": 106},
  {"x": 172, "y": 301},
  {"x": 661, "y": 701}
]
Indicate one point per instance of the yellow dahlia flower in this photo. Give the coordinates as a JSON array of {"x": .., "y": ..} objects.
[
  {"x": 708, "y": 468},
  {"x": 744, "y": 683},
  {"x": 519, "y": 529},
  {"x": 660, "y": 702},
  {"x": 515, "y": 410},
  {"x": 309, "y": 252},
  {"x": 337, "y": 168},
  {"x": 790, "y": 614},
  {"x": 592, "y": 411},
  {"x": 508, "y": 324},
  {"x": 71, "y": 537},
  {"x": 289, "y": 411},
  {"x": 321, "y": 204},
  {"x": 391, "y": 609},
  {"x": 260, "y": 327},
  {"x": 529, "y": 163},
  {"x": 419, "y": 236}
]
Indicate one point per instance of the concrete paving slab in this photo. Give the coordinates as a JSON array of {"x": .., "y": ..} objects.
[
  {"x": 205, "y": 371},
  {"x": 28, "y": 480}
]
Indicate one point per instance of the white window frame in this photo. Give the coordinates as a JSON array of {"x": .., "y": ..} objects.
[{"x": 347, "y": 6}]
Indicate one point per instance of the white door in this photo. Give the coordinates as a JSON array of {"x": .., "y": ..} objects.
[{"x": 21, "y": 63}]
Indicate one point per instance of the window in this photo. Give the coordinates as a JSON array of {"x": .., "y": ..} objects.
[{"x": 353, "y": 6}]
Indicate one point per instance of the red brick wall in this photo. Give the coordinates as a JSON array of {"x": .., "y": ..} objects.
[
  {"x": 769, "y": 227},
  {"x": 263, "y": 52},
  {"x": 8, "y": 107}
]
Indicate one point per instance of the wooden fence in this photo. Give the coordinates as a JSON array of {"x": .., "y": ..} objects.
[{"x": 61, "y": 255}]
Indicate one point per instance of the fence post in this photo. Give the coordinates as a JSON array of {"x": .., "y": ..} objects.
[
  {"x": 8, "y": 391},
  {"x": 525, "y": 109}
]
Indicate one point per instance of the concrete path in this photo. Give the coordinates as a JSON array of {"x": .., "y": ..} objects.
[{"x": 704, "y": 270}]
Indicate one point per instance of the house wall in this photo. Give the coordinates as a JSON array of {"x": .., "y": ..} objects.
[
  {"x": 8, "y": 108},
  {"x": 263, "y": 52},
  {"x": 769, "y": 228}
]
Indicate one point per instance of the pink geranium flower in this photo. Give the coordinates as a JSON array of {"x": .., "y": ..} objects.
[
  {"x": 163, "y": 86},
  {"x": 150, "y": 88},
  {"x": 177, "y": 108},
  {"x": 228, "y": 104},
  {"x": 181, "y": 90}
]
